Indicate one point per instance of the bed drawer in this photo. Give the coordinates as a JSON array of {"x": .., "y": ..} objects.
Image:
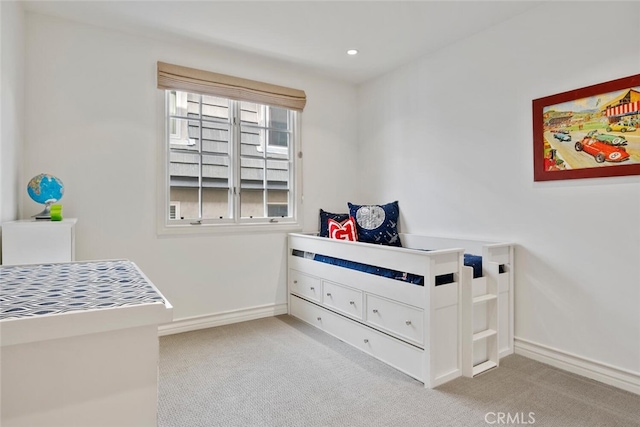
[
  {"x": 306, "y": 311},
  {"x": 398, "y": 354},
  {"x": 401, "y": 320},
  {"x": 342, "y": 298},
  {"x": 306, "y": 286}
]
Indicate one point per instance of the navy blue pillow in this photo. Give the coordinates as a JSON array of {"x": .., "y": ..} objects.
[
  {"x": 324, "y": 216},
  {"x": 377, "y": 223}
]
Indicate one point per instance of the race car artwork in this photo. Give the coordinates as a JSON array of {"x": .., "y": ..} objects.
[
  {"x": 621, "y": 127},
  {"x": 603, "y": 147},
  {"x": 562, "y": 135}
]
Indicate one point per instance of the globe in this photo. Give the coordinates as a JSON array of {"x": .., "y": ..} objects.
[{"x": 45, "y": 189}]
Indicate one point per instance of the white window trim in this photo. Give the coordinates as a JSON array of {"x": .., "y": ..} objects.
[{"x": 164, "y": 226}]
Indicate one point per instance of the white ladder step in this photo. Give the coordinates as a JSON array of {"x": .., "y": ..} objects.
[
  {"x": 483, "y": 307},
  {"x": 485, "y": 297},
  {"x": 484, "y": 334},
  {"x": 484, "y": 366}
]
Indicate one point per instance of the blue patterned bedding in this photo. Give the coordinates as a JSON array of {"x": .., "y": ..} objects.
[
  {"x": 474, "y": 261},
  {"x": 47, "y": 289}
]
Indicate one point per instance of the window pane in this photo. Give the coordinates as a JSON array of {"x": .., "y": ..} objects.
[
  {"x": 252, "y": 113},
  {"x": 277, "y": 174},
  {"x": 188, "y": 200},
  {"x": 215, "y": 203},
  {"x": 173, "y": 128},
  {"x": 252, "y": 172},
  {"x": 278, "y": 203},
  {"x": 215, "y": 171},
  {"x": 215, "y": 137},
  {"x": 252, "y": 176},
  {"x": 184, "y": 175},
  {"x": 278, "y": 118},
  {"x": 214, "y": 108},
  {"x": 278, "y": 138},
  {"x": 183, "y": 165},
  {"x": 173, "y": 101},
  {"x": 192, "y": 105},
  {"x": 252, "y": 141},
  {"x": 173, "y": 110},
  {"x": 178, "y": 103},
  {"x": 252, "y": 204},
  {"x": 185, "y": 134}
]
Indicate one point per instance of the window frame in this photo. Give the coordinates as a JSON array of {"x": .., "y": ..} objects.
[{"x": 167, "y": 226}]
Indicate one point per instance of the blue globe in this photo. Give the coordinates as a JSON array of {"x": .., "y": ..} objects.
[{"x": 45, "y": 188}]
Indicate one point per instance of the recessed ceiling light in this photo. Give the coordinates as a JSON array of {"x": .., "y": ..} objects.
[{"x": 352, "y": 52}]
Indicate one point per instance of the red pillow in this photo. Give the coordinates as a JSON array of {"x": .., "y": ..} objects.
[{"x": 345, "y": 230}]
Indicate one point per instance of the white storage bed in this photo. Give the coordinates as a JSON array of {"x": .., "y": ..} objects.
[{"x": 419, "y": 330}]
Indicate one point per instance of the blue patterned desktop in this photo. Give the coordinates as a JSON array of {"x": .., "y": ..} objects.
[{"x": 46, "y": 289}]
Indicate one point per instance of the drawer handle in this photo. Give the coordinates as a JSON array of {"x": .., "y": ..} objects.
[
  {"x": 313, "y": 289},
  {"x": 407, "y": 322},
  {"x": 352, "y": 303},
  {"x": 375, "y": 310},
  {"x": 328, "y": 294},
  {"x": 366, "y": 341},
  {"x": 319, "y": 318}
]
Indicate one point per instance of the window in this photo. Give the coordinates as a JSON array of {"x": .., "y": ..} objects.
[
  {"x": 229, "y": 162},
  {"x": 231, "y": 152}
]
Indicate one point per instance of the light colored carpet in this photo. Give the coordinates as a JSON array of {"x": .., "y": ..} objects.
[{"x": 280, "y": 371}]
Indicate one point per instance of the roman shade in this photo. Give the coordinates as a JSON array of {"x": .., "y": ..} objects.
[{"x": 176, "y": 77}]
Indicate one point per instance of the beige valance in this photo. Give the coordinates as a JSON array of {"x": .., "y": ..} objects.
[{"x": 176, "y": 77}]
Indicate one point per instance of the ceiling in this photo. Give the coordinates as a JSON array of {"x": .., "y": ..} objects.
[{"x": 310, "y": 34}]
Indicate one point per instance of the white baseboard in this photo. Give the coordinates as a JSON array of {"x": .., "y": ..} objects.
[
  {"x": 219, "y": 319},
  {"x": 620, "y": 378}
]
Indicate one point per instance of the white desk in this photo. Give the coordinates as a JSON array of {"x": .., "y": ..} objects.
[
  {"x": 38, "y": 241},
  {"x": 79, "y": 345}
]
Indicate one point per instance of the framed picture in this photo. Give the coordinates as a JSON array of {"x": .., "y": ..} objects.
[{"x": 589, "y": 132}]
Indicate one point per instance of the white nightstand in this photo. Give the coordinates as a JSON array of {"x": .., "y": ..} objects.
[{"x": 38, "y": 241}]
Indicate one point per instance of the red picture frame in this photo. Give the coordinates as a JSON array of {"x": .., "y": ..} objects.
[{"x": 590, "y": 132}]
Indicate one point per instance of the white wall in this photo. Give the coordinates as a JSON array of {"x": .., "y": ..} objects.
[
  {"x": 450, "y": 137},
  {"x": 92, "y": 120},
  {"x": 11, "y": 108}
]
